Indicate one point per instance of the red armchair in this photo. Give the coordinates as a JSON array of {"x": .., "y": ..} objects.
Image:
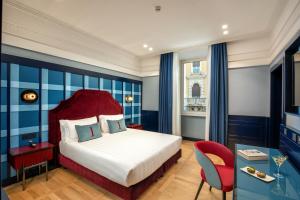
[{"x": 217, "y": 176}]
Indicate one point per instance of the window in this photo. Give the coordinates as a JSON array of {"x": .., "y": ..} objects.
[
  {"x": 194, "y": 87},
  {"x": 196, "y": 90},
  {"x": 196, "y": 67}
]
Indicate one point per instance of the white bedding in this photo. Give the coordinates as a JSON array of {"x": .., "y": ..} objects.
[{"x": 127, "y": 157}]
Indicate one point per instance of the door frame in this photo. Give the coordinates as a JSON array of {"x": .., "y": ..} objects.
[{"x": 271, "y": 121}]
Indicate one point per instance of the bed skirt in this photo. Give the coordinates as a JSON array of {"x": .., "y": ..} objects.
[{"x": 126, "y": 193}]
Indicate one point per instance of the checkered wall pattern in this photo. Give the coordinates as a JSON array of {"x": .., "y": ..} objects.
[{"x": 19, "y": 118}]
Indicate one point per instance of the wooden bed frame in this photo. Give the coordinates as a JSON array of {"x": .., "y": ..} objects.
[{"x": 89, "y": 103}]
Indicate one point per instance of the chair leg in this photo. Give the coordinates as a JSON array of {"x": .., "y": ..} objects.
[
  {"x": 224, "y": 195},
  {"x": 199, "y": 189},
  {"x": 210, "y": 188}
]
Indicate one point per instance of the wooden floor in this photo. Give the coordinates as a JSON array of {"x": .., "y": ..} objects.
[{"x": 179, "y": 183}]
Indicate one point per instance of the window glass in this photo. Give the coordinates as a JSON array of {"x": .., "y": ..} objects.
[{"x": 195, "y": 86}]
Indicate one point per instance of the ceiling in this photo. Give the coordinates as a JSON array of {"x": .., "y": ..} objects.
[{"x": 180, "y": 23}]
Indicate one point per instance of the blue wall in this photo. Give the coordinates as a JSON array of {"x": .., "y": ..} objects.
[{"x": 53, "y": 83}]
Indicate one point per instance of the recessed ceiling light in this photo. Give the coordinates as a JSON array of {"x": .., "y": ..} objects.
[
  {"x": 225, "y": 32},
  {"x": 224, "y": 26},
  {"x": 157, "y": 8},
  {"x": 145, "y": 45},
  {"x": 150, "y": 49}
]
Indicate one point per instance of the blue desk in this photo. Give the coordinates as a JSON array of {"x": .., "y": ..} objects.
[{"x": 250, "y": 188}]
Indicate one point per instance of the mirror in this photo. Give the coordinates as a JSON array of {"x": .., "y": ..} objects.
[{"x": 296, "y": 70}]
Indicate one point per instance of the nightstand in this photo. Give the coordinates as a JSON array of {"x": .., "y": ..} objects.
[
  {"x": 26, "y": 157},
  {"x": 135, "y": 126}
]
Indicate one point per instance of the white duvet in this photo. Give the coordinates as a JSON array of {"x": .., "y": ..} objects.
[{"x": 127, "y": 157}]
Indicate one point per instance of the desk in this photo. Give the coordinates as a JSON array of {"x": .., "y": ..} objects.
[{"x": 249, "y": 188}]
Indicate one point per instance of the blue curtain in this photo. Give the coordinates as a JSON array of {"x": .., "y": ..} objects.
[
  {"x": 165, "y": 93},
  {"x": 219, "y": 94}
]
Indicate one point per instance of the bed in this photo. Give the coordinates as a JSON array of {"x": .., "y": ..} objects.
[{"x": 124, "y": 163}]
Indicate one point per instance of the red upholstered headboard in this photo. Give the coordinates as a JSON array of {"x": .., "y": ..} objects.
[{"x": 83, "y": 104}]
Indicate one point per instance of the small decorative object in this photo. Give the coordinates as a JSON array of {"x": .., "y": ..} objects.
[
  {"x": 29, "y": 96},
  {"x": 279, "y": 160},
  {"x": 251, "y": 170},
  {"x": 31, "y": 143},
  {"x": 128, "y": 99},
  {"x": 258, "y": 174},
  {"x": 253, "y": 154},
  {"x": 261, "y": 174}
]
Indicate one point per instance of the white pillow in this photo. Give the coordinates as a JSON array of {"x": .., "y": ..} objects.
[
  {"x": 103, "y": 121},
  {"x": 68, "y": 131},
  {"x": 63, "y": 130}
]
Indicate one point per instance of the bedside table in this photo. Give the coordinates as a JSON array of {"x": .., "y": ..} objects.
[
  {"x": 135, "y": 126},
  {"x": 23, "y": 158}
]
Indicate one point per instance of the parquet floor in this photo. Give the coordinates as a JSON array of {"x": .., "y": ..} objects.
[{"x": 179, "y": 183}]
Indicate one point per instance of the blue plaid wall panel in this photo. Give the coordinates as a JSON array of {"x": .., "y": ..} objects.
[
  {"x": 127, "y": 90},
  {"x": 106, "y": 85},
  {"x": 3, "y": 125},
  {"x": 136, "y": 105},
  {"x": 117, "y": 91},
  {"x": 52, "y": 95},
  {"x": 91, "y": 82},
  {"x": 76, "y": 83},
  {"x": 52, "y": 87},
  {"x": 67, "y": 85},
  {"x": 24, "y": 117},
  {"x": 73, "y": 83}
]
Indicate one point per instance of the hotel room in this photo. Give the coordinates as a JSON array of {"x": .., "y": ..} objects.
[{"x": 152, "y": 100}]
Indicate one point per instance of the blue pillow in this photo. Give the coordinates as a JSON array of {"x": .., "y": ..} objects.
[
  {"x": 116, "y": 125},
  {"x": 88, "y": 132}
]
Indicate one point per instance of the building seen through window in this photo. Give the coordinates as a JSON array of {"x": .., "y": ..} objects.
[{"x": 195, "y": 86}]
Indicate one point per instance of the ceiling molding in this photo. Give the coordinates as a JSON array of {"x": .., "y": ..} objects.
[
  {"x": 152, "y": 73},
  {"x": 30, "y": 29},
  {"x": 286, "y": 28},
  {"x": 86, "y": 48},
  {"x": 205, "y": 45},
  {"x": 46, "y": 49},
  {"x": 40, "y": 14}
]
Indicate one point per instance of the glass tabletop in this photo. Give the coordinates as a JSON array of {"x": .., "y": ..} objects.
[{"x": 248, "y": 187}]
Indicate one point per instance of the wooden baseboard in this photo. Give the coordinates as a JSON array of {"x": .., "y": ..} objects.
[{"x": 191, "y": 139}]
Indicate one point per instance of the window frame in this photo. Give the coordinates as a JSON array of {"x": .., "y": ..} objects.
[{"x": 182, "y": 77}]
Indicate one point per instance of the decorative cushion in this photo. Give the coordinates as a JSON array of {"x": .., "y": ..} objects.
[
  {"x": 116, "y": 125},
  {"x": 68, "y": 130},
  {"x": 88, "y": 132},
  {"x": 103, "y": 121}
]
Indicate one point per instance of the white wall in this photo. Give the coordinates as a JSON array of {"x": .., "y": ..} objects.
[
  {"x": 287, "y": 27},
  {"x": 150, "y": 95},
  {"x": 241, "y": 53},
  {"x": 150, "y": 66},
  {"x": 249, "y": 91},
  {"x": 15, "y": 51},
  {"x": 193, "y": 127},
  {"x": 29, "y": 29},
  {"x": 246, "y": 53}
]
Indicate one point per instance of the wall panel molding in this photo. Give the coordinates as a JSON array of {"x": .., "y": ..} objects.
[
  {"x": 286, "y": 28},
  {"x": 250, "y": 130},
  {"x": 27, "y": 28}
]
